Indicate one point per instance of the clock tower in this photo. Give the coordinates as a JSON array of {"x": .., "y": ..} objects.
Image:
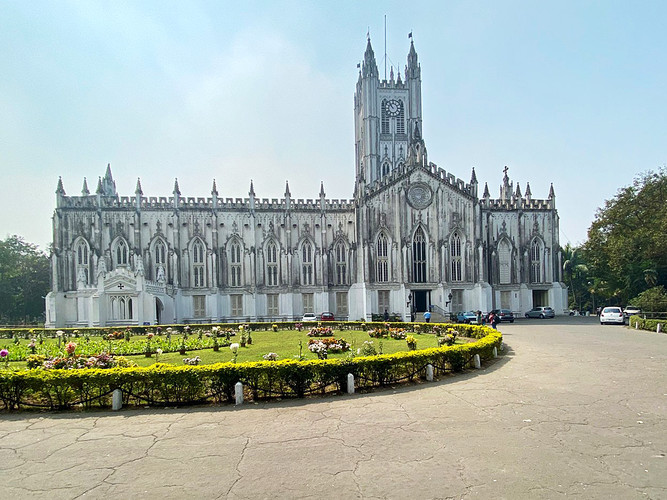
[{"x": 388, "y": 118}]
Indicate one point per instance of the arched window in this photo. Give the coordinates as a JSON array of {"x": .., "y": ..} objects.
[
  {"x": 272, "y": 264},
  {"x": 400, "y": 119},
  {"x": 199, "y": 264},
  {"x": 504, "y": 262},
  {"x": 160, "y": 252},
  {"x": 341, "y": 264},
  {"x": 419, "y": 257},
  {"x": 382, "y": 251},
  {"x": 307, "y": 267},
  {"x": 82, "y": 260},
  {"x": 120, "y": 253},
  {"x": 536, "y": 261},
  {"x": 385, "y": 117},
  {"x": 385, "y": 168},
  {"x": 455, "y": 253},
  {"x": 236, "y": 264}
]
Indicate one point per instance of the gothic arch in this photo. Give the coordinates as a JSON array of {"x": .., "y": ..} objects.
[
  {"x": 198, "y": 262},
  {"x": 120, "y": 252},
  {"x": 419, "y": 255},
  {"x": 306, "y": 252},
  {"x": 382, "y": 250},
  {"x": 536, "y": 257},
  {"x": 82, "y": 260},
  {"x": 272, "y": 261},
  {"x": 457, "y": 254},
  {"x": 158, "y": 250},
  {"x": 235, "y": 251},
  {"x": 504, "y": 255}
]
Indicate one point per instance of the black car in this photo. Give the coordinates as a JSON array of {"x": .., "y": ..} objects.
[{"x": 503, "y": 315}]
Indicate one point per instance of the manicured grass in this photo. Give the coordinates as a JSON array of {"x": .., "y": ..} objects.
[{"x": 283, "y": 342}]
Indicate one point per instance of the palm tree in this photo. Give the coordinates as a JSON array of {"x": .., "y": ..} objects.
[{"x": 573, "y": 269}]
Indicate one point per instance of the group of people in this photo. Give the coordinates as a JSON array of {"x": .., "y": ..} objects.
[{"x": 493, "y": 318}]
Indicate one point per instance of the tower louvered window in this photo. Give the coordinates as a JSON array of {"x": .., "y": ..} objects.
[
  {"x": 400, "y": 119},
  {"x": 385, "y": 117}
]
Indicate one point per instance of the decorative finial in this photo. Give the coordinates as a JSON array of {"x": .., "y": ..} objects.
[
  {"x": 60, "y": 189},
  {"x": 287, "y": 191},
  {"x": 252, "y": 189},
  {"x": 138, "y": 190},
  {"x": 176, "y": 189},
  {"x": 214, "y": 190},
  {"x": 84, "y": 189}
]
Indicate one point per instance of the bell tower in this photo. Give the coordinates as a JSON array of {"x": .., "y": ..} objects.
[{"x": 387, "y": 118}]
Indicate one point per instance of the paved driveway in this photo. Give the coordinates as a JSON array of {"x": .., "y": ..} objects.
[{"x": 572, "y": 409}]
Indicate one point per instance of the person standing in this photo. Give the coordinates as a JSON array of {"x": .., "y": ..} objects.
[
  {"x": 386, "y": 315},
  {"x": 427, "y": 316},
  {"x": 492, "y": 320}
]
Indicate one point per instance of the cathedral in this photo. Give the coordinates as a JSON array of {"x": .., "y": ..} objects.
[{"x": 413, "y": 238}]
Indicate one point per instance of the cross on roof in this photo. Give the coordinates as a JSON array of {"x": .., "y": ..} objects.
[
  {"x": 120, "y": 286},
  {"x": 505, "y": 169}
]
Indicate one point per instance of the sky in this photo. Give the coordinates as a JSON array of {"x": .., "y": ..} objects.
[{"x": 569, "y": 92}]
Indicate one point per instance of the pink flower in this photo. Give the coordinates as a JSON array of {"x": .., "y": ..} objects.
[
  {"x": 70, "y": 348},
  {"x": 4, "y": 353}
]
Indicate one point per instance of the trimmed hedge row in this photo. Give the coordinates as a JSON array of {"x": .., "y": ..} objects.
[
  {"x": 648, "y": 324},
  {"x": 163, "y": 384}
]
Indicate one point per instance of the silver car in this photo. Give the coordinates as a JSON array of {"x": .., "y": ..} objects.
[{"x": 541, "y": 312}]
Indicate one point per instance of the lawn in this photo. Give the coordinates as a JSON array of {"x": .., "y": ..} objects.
[{"x": 283, "y": 342}]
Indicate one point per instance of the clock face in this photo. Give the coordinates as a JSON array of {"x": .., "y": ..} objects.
[{"x": 393, "y": 107}]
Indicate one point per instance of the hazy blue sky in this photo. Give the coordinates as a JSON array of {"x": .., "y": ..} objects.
[{"x": 572, "y": 92}]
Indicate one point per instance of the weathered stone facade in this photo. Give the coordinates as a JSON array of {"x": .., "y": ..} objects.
[{"x": 413, "y": 237}]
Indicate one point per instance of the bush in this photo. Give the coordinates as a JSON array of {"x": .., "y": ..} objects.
[{"x": 162, "y": 384}]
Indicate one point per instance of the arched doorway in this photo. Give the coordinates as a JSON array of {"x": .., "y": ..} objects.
[{"x": 159, "y": 307}]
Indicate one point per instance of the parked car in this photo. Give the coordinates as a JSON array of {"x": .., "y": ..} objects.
[
  {"x": 327, "y": 316},
  {"x": 612, "y": 315},
  {"x": 631, "y": 311},
  {"x": 502, "y": 314},
  {"x": 309, "y": 317},
  {"x": 541, "y": 312},
  {"x": 466, "y": 317}
]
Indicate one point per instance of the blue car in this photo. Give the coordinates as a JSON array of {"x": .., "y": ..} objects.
[{"x": 466, "y": 317}]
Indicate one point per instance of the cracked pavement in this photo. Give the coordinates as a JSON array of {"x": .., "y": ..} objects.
[{"x": 570, "y": 409}]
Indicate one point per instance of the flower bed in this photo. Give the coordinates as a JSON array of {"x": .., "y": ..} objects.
[{"x": 168, "y": 385}]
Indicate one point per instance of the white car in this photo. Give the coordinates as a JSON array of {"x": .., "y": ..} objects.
[
  {"x": 309, "y": 317},
  {"x": 612, "y": 315},
  {"x": 631, "y": 311}
]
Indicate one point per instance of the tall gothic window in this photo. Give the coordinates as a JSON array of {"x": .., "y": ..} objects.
[
  {"x": 272, "y": 264},
  {"x": 385, "y": 117},
  {"x": 535, "y": 261},
  {"x": 382, "y": 258},
  {"x": 235, "y": 266},
  {"x": 341, "y": 264},
  {"x": 82, "y": 260},
  {"x": 120, "y": 253},
  {"x": 419, "y": 257},
  {"x": 400, "y": 119},
  {"x": 455, "y": 253},
  {"x": 307, "y": 263},
  {"x": 385, "y": 168},
  {"x": 160, "y": 253},
  {"x": 504, "y": 262},
  {"x": 199, "y": 264}
]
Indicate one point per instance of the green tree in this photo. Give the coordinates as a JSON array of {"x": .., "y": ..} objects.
[
  {"x": 626, "y": 244},
  {"x": 24, "y": 281},
  {"x": 575, "y": 272},
  {"x": 652, "y": 300}
]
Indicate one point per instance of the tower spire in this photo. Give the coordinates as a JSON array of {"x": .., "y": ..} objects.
[
  {"x": 60, "y": 189},
  {"x": 84, "y": 189},
  {"x": 138, "y": 190},
  {"x": 214, "y": 189}
]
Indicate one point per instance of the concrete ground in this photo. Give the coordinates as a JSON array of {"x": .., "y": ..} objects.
[{"x": 571, "y": 409}]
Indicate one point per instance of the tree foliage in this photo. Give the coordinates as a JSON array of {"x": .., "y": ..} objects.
[
  {"x": 24, "y": 281},
  {"x": 626, "y": 251}
]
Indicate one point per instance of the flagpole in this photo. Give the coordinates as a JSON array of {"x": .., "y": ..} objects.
[{"x": 385, "y": 46}]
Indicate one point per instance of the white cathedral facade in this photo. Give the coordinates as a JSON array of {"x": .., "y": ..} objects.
[{"x": 414, "y": 237}]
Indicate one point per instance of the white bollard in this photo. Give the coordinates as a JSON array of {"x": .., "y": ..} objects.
[
  {"x": 429, "y": 373},
  {"x": 238, "y": 393},
  {"x": 495, "y": 352},
  {"x": 476, "y": 361},
  {"x": 659, "y": 328},
  {"x": 350, "y": 383},
  {"x": 116, "y": 400},
  {"x": 636, "y": 325}
]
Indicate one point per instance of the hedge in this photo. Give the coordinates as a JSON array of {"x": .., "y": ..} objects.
[
  {"x": 162, "y": 384},
  {"x": 648, "y": 324}
]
